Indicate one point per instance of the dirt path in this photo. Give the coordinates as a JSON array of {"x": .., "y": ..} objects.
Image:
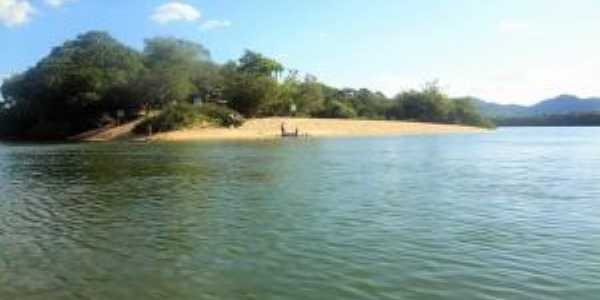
[{"x": 122, "y": 132}]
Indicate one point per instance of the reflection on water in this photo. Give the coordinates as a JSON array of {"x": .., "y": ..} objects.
[{"x": 514, "y": 214}]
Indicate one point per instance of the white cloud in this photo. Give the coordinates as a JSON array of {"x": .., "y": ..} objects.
[
  {"x": 175, "y": 12},
  {"x": 57, "y": 3},
  {"x": 15, "y": 12},
  {"x": 214, "y": 24}
]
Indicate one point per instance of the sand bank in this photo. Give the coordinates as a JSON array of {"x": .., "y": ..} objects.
[{"x": 269, "y": 128}]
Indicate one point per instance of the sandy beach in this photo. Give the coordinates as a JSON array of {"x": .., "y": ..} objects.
[{"x": 269, "y": 128}]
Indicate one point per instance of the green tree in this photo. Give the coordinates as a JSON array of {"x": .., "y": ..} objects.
[
  {"x": 257, "y": 64},
  {"x": 285, "y": 96},
  {"x": 175, "y": 70},
  {"x": 209, "y": 81},
  {"x": 305, "y": 95},
  {"x": 248, "y": 94},
  {"x": 463, "y": 111},
  {"x": 158, "y": 88},
  {"x": 250, "y": 84},
  {"x": 79, "y": 82},
  {"x": 71, "y": 85},
  {"x": 336, "y": 109},
  {"x": 85, "y": 70},
  {"x": 427, "y": 105},
  {"x": 163, "y": 51},
  {"x": 309, "y": 98}
]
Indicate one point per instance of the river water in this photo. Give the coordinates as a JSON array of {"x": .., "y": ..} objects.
[{"x": 512, "y": 214}]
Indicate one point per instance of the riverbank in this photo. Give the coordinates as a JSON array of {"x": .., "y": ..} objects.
[
  {"x": 122, "y": 132},
  {"x": 268, "y": 128}
]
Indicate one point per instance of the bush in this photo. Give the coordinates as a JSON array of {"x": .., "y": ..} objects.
[
  {"x": 222, "y": 115},
  {"x": 174, "y": 117},
  {"x": 181, "y": 116},
  {"x": 463, "y": 111},
  {"x": 48, "y": 131},
  {"x": 337, "y": 109},
  {"x": 247, "y": 93},
  {"x": 15, "y": 124}
]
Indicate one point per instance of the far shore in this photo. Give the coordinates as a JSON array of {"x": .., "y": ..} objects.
[{"x": 270, "y": 128}]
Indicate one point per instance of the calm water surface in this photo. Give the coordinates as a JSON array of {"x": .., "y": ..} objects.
[{"x": 510, "y": 215}]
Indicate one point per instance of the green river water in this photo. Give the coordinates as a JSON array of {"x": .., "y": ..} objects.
[{"x": 513, "y": 214}]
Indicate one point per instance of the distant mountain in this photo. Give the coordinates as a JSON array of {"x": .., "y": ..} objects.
[
  {"x": 494, "y": 110},
  {"x": 566, "y": 104},
  {"x": 563, "y": 104}
]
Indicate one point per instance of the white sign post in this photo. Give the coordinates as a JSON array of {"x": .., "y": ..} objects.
[{"x": 293, "y": 109}]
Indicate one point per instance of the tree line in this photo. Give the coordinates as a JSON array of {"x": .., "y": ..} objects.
[
  {"x": 560, "y": 120},
  {"x": 82, "y": 83}
]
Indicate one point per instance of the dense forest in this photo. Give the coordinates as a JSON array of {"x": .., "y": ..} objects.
[
  {"x": 95, "y": 80},
  {"x": 560, "y": 120}
]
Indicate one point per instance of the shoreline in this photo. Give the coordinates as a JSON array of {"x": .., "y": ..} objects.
[{"x": 270, "y": 128}]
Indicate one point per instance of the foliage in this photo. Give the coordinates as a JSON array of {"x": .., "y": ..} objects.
[
  {"x": 247, "y": 93},
  {"x": 427, "y": 105},
  {"x": 431, "y": 105},
  {"x": 222, "y": 115},
  {"x": 565, "y": 120},
  {"x": 86, "y": 80},
  {"x": 464, "y": 111},
  {"x": 305, "y": 95},
  {"x": 185, "y": 115},
  {"x": 159, "y": 88},
  {"x": 175, "y": 71},
  {"x": 174, "y": 117},
  {"x": 309, "y": 97},
  {"x": 163, "y": 51},
  {"x": 338, "y": 110},
  {"x": 366, "y": 104},
  {"x": 12, "y": 123},
  {"x": 209, "y": 81},
  {"x": 72, "y": 85},
  {"x": 254, "y": 63}
]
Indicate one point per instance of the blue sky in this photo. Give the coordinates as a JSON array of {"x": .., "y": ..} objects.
[{"x": 508, "y": 51}]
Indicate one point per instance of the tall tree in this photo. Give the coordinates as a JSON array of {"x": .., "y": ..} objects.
[
  {"x": 70, "y": 85},
  {"x": 174, "y": 70},
  {"x": 257, "y": 64},
  {"x": 251, "y": 83},
  {"x": 247, "y": 93},
  {"x": 162, "y": 51},
  {"x": 309, "y": 98},
  {"x": 428, "y": 105}
]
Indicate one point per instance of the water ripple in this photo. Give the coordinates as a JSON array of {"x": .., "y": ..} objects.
[{"x": 495, "y": 216}]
